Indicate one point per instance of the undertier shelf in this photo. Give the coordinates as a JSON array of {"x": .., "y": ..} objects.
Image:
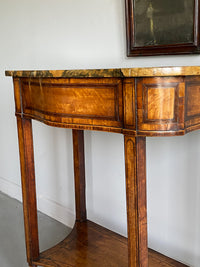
[{"x": 91, "y": 245}]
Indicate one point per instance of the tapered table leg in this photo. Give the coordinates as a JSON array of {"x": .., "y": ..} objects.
[
  {"x": 28, "y": 188},
  {"x": 135, "y": 165},
  {"x": 79, "y": 174}
]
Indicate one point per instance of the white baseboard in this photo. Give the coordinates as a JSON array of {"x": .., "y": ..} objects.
[
  {"x": 46, "y": 206},
  {"x": 11, "y": 189},
  {"x": 56, "y": 211}
]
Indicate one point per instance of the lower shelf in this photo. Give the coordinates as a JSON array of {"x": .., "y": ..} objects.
[{"x": 91, "y": 245}]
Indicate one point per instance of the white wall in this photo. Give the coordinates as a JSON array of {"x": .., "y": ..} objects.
[{"x": 69, "y": 34}]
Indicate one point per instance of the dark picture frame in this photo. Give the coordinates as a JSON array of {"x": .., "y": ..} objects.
[{"x": 162, "y": 27}]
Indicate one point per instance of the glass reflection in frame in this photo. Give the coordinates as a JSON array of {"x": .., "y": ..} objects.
[{"x": 162, "y": 22}]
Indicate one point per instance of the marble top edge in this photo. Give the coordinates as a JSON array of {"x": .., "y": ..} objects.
[
  {"x": 66, "y": 73},
  {"x": 106, "y": 73}
]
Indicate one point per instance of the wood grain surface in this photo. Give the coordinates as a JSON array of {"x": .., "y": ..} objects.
[
  {"x": 28, "y": 188},
  {"x": 156, "y": 106},
  {"x": 135, "y": 165},
  {"x": 91, "y": 245},
  {"x": 84, "y": 102},
  {"x": 79, "y": 175}
]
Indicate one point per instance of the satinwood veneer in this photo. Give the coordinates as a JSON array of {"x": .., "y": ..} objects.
[{"x": 137, "y": 103}]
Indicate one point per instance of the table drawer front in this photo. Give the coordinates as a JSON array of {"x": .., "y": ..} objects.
[
  {"x": 160, "y": 104},
  {"x": 86, "y": 101}
]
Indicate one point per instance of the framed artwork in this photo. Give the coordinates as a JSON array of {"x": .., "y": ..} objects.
[{"x": 162, "y": 27}]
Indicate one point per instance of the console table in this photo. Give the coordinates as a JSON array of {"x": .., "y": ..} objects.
[{"x": 137, "y": 103}]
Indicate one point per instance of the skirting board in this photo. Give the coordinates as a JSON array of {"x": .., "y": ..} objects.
[{"x": 46, "y": 206}]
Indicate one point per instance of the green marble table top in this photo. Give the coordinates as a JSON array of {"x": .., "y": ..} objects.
[{"x": 106, "y": 73}]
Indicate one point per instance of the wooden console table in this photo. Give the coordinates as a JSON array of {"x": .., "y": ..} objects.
[{"x": 133, "y": 102}]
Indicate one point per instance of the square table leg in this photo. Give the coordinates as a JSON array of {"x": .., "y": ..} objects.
[
  {"x": 28, "y": 188},
  {"x": 135, "y": 165},
  {"x": 79, "y": 174}
]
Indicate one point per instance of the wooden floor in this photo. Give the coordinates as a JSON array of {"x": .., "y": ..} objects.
[{"x": 90, "y": 245}]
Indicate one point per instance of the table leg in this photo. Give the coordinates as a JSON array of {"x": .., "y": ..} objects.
[
  {"x": 135, "y": 165},
  {"x": 79, "y": 174},
  {"x": 28, "y": 188}
]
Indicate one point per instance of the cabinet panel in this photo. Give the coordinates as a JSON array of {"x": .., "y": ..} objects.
[
  {"x": 192, "y": 103},
  {"x": 165, "y": 104},
  {"x": 80, "y": 101},
  {"x": 160, "y": 104}
]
